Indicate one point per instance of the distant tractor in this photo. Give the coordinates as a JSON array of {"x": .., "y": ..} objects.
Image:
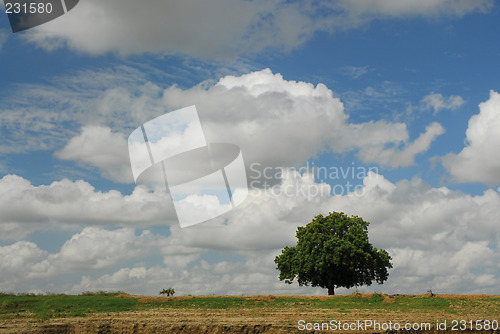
[{"x": 168, "y": 292}]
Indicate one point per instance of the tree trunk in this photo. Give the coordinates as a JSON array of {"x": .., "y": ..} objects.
[{"x": 331, "y": 291}]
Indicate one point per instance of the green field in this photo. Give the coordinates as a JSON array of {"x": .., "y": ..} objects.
[{"x": 61, "y": 306}]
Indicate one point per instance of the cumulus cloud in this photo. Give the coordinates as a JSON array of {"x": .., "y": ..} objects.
[
  {"x": 253, "y": 276},
  {"x": 269, "y": 118},
  {"x": 478, "y": 160},
  {"x": 266, "y": 115},
  {"x": 221, "y": 29},
  {"x": 262, "y": 112},
  {"x": 97, "y": 248},
  {"x": 409, "y": 213},
  {"x": 22, "y": 257},
  {"x": 437, "y": 237},
  {"x": 26, "y": 207},
  {"x": 101, "y": 148},
  {"x": 405, "y": 157},
  {"x": 91, "y": 249},
  {"x": 422, "y": 227},
  {"x": 437, "y": 102}
]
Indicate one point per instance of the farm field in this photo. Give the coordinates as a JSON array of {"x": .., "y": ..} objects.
[{"x": 362, "y": 313}]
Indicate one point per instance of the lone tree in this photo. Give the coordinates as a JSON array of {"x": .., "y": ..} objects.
[
  {"x": 333, "y": 251},
  {"x": 168, "y": 292}
]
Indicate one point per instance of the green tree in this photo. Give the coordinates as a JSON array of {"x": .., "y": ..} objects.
[
  {"x": 168, "y": 292},
  {"x": 332, "y": 252}
]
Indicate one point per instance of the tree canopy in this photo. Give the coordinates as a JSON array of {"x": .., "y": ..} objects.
[{"x": 332, "y": 252}]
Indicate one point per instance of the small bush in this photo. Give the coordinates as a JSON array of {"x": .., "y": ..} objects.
[{"x": 168, "y": 292}]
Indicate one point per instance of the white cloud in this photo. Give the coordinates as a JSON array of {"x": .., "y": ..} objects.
[
  {"x": 253, "y": 276},
  {"x": 478, "y": 161},
  {"x": 406, "y": 8},
  {"x": 263, "y": 113},
  {"x": 216, "y": 29},
  {"x": 65, "y": 203},
  {"x": 97, "y": 248},
  {"x": 437, "y": 102},
  {"x": 102, "y": 148},
  {"x": 405, "y": 157},
  {"x": 269, "y": 117},
  {"x": 437, "y": 237},
  {"x": 423, "y": 228},
  {"x": 43, "y": 117},
  {"x": 93, "y": 248},
  {"x": 408, "y": 213},
  {"x": 20, "y": 258},
  {"x": 221, "y": 29}
]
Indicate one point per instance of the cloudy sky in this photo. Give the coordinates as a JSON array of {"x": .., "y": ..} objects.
[{"x": 396, "y": 105}]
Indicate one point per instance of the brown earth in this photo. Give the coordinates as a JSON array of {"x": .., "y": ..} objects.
[{"x": 265, "y": 320}]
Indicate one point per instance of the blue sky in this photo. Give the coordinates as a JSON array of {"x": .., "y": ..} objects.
[{"x": 410, "y": 92}]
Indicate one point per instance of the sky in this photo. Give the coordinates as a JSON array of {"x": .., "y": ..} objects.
[{"x": 385, "y": 110}]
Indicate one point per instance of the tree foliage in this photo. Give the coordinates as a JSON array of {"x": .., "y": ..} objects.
[
  {"x": 168, "y": 292},
  {"x": 332, "y": 252}
]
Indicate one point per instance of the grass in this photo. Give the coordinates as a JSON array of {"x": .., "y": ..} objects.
[{"x": 61, "y": 306}]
